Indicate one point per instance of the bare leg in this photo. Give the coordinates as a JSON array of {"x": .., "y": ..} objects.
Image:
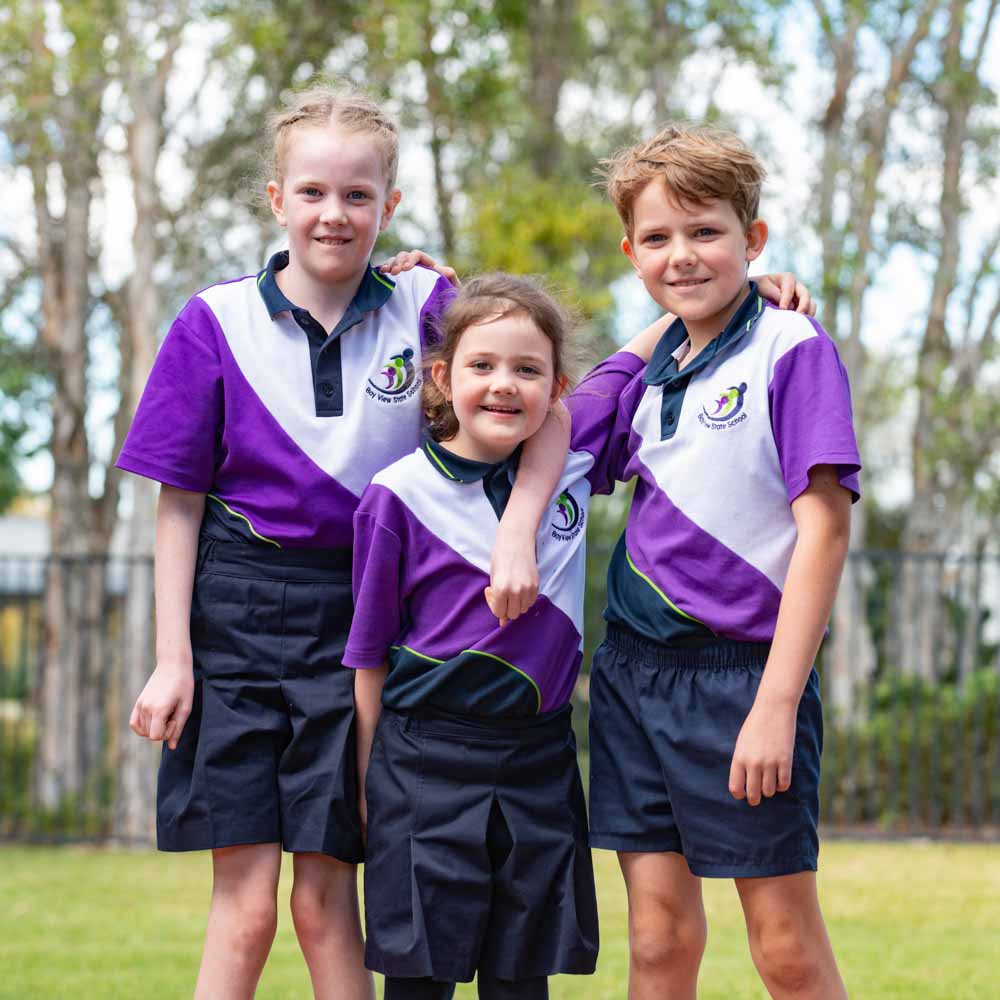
[
  {"x": 788, "y": 939},
  {"x": 666, "y": 926},
  {"x": 241, "y": 921},
  {"x": 328, "y": 925}
]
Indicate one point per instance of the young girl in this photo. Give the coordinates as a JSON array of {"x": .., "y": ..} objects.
[
  {"x": 273, "y": 401},
  {"x": 477, "y": 856}
]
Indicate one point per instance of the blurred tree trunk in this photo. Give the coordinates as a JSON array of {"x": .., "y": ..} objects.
[
  {"x": 847, "y": 239},
  {"x": 941, "y": 437},
  {"x": 65, "y": 91},
  {"x": 146, "y": 82}
]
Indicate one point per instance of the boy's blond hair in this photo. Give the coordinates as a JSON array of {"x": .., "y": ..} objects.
[
  {"x": 321, "y": 105},
  {"x": 696, "y": 163}
]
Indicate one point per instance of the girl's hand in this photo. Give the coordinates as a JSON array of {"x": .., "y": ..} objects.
[
  {"x": 513, "y": 574},
  {"x": 786, "y": 292},
  {"x": 762, "y": 760},
  {"x": 163, "y": 707},
  {"x": 407, "y": 260}
]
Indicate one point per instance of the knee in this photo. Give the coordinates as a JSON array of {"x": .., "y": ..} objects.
[
  {"x": 308, "y": 910},
  {"x": 784, "y": 955},
  {"x": 252, "y": 918},
  {"x": 664, "y": 938},
  {"x": 322, "y": 909}
]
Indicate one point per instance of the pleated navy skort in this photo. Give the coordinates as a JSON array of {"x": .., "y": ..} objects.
[
  {"x": 477, "y": 849},
  {"x": 268, "y": 754}
]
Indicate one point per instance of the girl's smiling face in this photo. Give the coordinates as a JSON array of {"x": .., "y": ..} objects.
[
  {"x": 501, "y": 384},
  {"x": 333, "y": 200}
]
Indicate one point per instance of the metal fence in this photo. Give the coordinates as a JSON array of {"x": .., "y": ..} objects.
[{"x": 910, "y": 677}]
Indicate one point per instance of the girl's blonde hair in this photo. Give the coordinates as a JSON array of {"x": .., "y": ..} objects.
[
  {"x": 321, "y": 105},
  {"x": 484, "y": 299}
]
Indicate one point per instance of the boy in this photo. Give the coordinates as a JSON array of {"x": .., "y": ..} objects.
[{"x": 703, "y": 693}]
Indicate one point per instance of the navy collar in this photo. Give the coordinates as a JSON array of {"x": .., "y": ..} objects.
[
  {"x": 497, "y": 477},
  {"x": 464, "y": 470},
  {"x": 372, "y": 293},
  {"x": 662, "y": 367}
]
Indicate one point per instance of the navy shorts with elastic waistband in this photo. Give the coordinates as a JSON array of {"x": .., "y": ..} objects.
[
  {"x": 663, "y": 726},
  {"x": 268, "y": 754},
  {"x": 477, "y": 850}
]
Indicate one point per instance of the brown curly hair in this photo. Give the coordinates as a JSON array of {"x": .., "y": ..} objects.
[{"x": 483, "y": 299}]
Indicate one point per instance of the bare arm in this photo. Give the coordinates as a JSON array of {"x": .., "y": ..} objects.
[
  {"x": 762, "y": 760},
  {"x": 514, "y": 570},
  {"x": 368, "y": 686},
  {"x": 643, "y": 344},
  {"x": 162, "y": 709}
]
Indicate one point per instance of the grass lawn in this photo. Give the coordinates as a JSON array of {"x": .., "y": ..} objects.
[{"x": 907, "y": 921}]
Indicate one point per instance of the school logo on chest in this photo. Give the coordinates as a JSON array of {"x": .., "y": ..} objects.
[
  {"x": 569, "y": 518},
  {"x": 724, "y": 409},
  {"x": 395, "y": 380}
]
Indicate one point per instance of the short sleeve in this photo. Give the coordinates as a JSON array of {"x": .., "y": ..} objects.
[
  {"x": 174, "y": 437},
  {"x": 432, "y": 310},
  {"x": 810, "y": 403},
  {"x": 377, "y": 579},
  {"x": 602, "y": 407}
]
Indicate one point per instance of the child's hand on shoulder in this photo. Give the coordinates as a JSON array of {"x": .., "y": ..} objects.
[
  {"x": 407, "y": 260},
  {"x": 786, "y": 292},
  {"x": 762, "y": 760},
  {"x": 163, "y": 707}
]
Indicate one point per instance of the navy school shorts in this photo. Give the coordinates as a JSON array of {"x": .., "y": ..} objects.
[
  {"x": 268, "y": 754},
  {"x": 663, "y": 726},
  {"x": 477, "y": 850}
]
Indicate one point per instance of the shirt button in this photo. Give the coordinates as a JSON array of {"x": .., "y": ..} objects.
[
  {"x": 326, "y": 388},
  {"x": 670, "y": 418}
]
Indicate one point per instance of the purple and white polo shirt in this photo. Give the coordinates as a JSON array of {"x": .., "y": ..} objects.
[
  {"x": 720, "y": 450},
  {"x": 424, "y": 536},
  {"x": 281, "y": 423}
]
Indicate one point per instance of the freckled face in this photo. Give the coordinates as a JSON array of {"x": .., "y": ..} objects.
[
  {"x": 333, "y": 200},
  {"x": 501, "y": 384},
  {"x": 692, "y": 259}
]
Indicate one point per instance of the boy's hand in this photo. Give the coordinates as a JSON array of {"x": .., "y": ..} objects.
[
  {"x": 786, "y": 292},
  {"x": 407, "y": 260},
  {"x": 762, "y": 760},
  {"x": 163, "y": 707},
  {"x": 513, "y": 574}
]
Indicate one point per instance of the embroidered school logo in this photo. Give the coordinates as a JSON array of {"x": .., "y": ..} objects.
[
  {"x": 568, "y": 517},
  {"x": 725, "y": 409},
  {"x": 396, "y": 380}
]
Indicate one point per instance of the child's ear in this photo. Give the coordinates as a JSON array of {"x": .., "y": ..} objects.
[
  {"x": 558, "y": 387},
  {"x": 439, "y": 372},
  {"x": 630, "y": 253},
  {"x": 756, "y": 238},
  {"x": 392, "y": 199},
  {"x": 275, "y": 195}
]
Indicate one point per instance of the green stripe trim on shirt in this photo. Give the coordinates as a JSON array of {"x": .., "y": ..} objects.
[
  {"x": 243, "y": 517},
  {"x": 517, "y": 670},
  {"x": 439, "y": 463},
  {"x": 666, "y": 600},
  {"x": 378, "y": 277},
  {"x": 423, "y": 656}
]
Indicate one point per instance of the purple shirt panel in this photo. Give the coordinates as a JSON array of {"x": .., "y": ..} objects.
[
  {"x": 442, "y": 295},
  {"x": 411, "y": 589},
  {"x": 174, "y": 436},
  {"x": 810, "y": 404},
  {"x": 179, "y": 418},
  {"x": 602, "y": 407},
  {"x": 703, "y": 577}
]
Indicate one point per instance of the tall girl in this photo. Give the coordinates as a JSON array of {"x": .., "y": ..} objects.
[
  {"x": 477, "y": 857},
  {"x": 274, "y": 399}
]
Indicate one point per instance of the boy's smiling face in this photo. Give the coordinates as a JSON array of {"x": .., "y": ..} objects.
[{"x": 692, "y": 258}]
